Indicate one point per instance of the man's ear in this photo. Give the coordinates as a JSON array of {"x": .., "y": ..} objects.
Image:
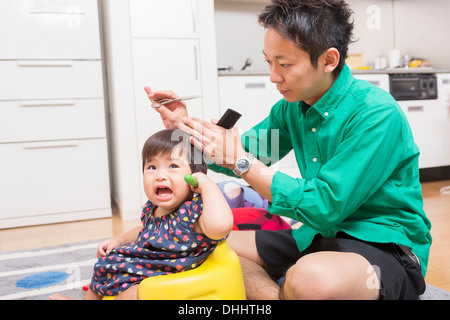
[{"x": 330, "y": 60}]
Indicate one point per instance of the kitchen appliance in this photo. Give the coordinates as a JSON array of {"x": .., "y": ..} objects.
[{"x": 413, "y": 86}]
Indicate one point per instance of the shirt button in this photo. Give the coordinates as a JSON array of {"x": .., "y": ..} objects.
[
  {"x": 314, "y": 159},
  {"x": 326, "y": 114},
  {"x": 313, "y": 129}
]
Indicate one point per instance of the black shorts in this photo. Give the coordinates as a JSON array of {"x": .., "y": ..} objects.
[{"x": 401, "y": 277}]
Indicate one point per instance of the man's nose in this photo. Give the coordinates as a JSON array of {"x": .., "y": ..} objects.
[{"x": 275, "y": 76}]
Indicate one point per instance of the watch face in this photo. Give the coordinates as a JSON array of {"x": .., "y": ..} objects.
[{"x": 242, "y": 164}]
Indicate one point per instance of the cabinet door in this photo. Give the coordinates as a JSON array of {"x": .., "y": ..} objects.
[
  {"x": 164, "y": 65},
  {"x": 41, "y": 178},
  {"x": 48, "y": 29},
  {"x": 252, "y": 96},
  {"x": 430, "y": 125},
  {"x": 163, "y": 18}
]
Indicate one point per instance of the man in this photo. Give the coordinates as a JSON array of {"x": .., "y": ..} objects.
[{"x": 364, "y": 232}]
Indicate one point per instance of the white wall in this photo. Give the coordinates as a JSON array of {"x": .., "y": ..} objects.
[
  {"x": 239, "y": 35},
  {"x": 418, "y": 27}
]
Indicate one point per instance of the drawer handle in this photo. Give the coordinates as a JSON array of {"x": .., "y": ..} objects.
[
  {"x": 255, "y": 85},
  {"x": 415, "y": 109},
  {"x": 50, "y": 144},
  {"x": 45, "y": 63},
  {"x": 47, "y": 103}
]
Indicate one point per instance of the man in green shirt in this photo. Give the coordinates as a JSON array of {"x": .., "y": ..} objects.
[{"x": 364, "y": 234}]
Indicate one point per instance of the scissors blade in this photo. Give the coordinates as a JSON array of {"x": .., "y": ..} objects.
[{"x": 165, "y": 101}]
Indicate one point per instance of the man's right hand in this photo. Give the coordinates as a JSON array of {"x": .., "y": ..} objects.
[{"x": 171, "y": 113}]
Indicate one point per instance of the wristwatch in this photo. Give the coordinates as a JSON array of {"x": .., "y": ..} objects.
[{"x": 242, "y": 164}]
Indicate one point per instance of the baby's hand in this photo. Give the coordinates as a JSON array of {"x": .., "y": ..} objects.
[
  {"x": 202, "y": 180},
  {"x": 106, "y": 246}
]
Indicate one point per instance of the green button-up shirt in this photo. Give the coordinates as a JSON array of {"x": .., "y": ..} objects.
[{"x": 359, "y": 167}]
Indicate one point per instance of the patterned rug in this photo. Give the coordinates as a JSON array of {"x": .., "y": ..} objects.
[{"x": 37, "y": 274}]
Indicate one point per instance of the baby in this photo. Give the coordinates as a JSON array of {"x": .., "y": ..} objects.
[{"x": 182, "y": 224}]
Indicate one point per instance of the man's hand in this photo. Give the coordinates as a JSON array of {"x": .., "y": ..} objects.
[{"x": 171, "y": 113}]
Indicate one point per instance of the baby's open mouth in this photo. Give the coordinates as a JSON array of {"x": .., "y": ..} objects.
[{"x": 163, "y": 193}]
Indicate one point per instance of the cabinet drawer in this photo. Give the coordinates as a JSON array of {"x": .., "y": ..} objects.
[
  {"x": 53, "y": 177},
  {"x": 45, "y": 29},
  {"x": 149, "y": 18},
  {"x": 40, "y": 120},
  {"x": 48, "y": 79}
]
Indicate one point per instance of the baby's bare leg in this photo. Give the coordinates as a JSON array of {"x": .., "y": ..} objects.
[{"x": 90, "y": 295}]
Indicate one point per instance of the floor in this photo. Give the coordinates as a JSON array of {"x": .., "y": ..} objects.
[{"x": 436, "y": 204}]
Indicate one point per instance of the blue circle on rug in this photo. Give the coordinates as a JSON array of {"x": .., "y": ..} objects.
[{"x": 43, "y": 279}]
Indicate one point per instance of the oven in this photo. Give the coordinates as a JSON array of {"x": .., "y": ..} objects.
[{"x": 413, "y": 86}]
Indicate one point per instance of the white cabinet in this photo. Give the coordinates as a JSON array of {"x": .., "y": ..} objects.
[
  {"x": 253, "y": 97},
  {"x": 167, "y": 45},
  {"x": 430, "y": 124},
  {"x": 52, "y": 117}
]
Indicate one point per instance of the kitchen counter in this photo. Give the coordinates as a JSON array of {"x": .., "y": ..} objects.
[
  {"x": 250, "y": 72},
  {"x": 243, "y": 73},
  {"x": 402, "y": 70}
]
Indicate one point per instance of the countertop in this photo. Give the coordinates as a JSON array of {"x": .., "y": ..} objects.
[{"x": 250, "y": 72}]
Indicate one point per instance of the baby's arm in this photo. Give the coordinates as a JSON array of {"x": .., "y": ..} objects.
[
  {"x": 216, "y": 220},
  {"x": 106, "y": 246}
]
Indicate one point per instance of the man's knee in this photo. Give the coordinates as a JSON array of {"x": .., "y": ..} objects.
[
  {"x": 308, "y": 280},
  {"x": 329, "y": 275}
]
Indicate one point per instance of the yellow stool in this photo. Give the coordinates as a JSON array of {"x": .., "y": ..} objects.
[{"x": 218, "y": 278}]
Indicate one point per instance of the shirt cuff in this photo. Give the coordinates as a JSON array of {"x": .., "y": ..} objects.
[{"x": 287, "y": 193}]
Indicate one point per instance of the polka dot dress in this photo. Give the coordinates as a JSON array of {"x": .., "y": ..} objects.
[{"x": 165, "y": 245}]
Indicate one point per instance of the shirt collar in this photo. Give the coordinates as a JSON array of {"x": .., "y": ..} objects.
[{"x": 330, "y": 100}]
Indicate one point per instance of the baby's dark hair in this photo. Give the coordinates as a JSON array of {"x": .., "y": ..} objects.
[
  {"x": 312, "y": 25},
  {"x": 164, "y": 142}
]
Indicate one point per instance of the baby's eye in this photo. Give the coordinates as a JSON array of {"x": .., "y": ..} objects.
[
  {"x": 151, "y": 167},
  {"x": 173, "y": 166}
]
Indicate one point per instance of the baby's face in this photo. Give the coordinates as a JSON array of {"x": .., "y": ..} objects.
[{"x": 164, "y": 182}]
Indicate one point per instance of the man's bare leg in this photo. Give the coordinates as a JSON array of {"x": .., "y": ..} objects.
[
  {"x": 321, "y": 275},
  {"x": 258, "y": 284}
]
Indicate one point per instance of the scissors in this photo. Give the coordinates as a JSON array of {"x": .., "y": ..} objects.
[{"x": 165, "y": 101}]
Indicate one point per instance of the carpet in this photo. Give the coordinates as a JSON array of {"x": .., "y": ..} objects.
[{"x": 39, "y": 273}]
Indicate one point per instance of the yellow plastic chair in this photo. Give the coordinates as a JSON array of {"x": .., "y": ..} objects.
[{"x": 218, "y": 278}]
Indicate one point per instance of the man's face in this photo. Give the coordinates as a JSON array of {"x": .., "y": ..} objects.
[{"x": 291, "y": 70}]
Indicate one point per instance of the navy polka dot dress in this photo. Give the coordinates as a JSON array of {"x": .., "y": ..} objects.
[{"x": 165, "y": 245}]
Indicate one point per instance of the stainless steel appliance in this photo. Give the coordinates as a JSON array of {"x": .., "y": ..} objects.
[{"x": 413, "y": 86}]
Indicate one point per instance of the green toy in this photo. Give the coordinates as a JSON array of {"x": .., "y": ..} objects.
[{"x": 191, "y": 180}]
